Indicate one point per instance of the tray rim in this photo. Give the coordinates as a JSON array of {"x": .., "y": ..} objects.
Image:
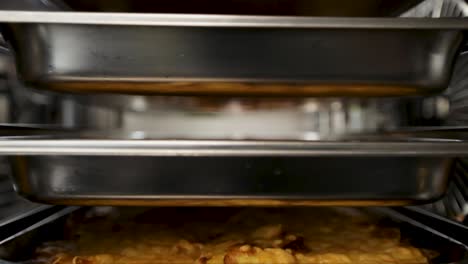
[
  {"x": 203, "y": 20},
  {"x": 231, "y": 148}
]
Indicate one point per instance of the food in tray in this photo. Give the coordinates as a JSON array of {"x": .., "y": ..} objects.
[{"x": 231, "y": 236}]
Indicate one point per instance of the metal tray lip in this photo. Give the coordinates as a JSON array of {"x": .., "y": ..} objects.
[
  {"x": 227, "y": 201},
  {"x": 203, "y": 20},
  {"x": 232, "y": 148},
  {"x": 254, "y": 202},
  {"x": 232, "y": 197},
  {"x": 228, "y": 80}
]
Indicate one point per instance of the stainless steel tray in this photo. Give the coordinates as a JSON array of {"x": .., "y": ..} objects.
[
  {"x": 225, "y": 54},
  {"x": 383, "y": 170}
]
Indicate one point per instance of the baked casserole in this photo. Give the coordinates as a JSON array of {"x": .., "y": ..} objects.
[{"x": 231, "y": 236}]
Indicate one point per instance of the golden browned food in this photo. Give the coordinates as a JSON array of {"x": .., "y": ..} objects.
[{"x": 231, "y": 236}]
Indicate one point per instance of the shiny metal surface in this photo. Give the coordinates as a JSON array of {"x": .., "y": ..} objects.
[
  {"x": 251, "y": 118},
  {"x": 228, "y": 148},
  {"x": 29, "y": 220},
  {"x": 133, "y": 180},
  {"x": 34, "y": 5},
  {"x": 421, "y": 142},
  {"x": 438, "y": 8},
  {"x": 361, "y": 171},
  {"x": 454, "y": 205},
  {"x": 203, "y": 54},
  {"x": 192, "y": 20},
  {"x": 438, "y": 226},
  {"x": 23, "y": 229}
]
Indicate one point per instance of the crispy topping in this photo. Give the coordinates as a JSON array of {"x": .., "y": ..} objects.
[
  {"x": 253, "y": 236},
  {"x": 297, "y": 245}
]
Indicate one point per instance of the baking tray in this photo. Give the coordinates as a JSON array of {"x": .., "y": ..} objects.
[
  {"x": 101, "y": 170},
  {"x": 417, "y": 231},
  {"x": 232, "y": 55}
]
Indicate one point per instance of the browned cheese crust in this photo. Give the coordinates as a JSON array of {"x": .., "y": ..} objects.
[{"x": 231, "y": 236}]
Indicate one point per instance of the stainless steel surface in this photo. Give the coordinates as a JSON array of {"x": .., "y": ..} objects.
[
  {"x": 31, "y": 220},
  {"x": 250, "y": 118},
  {"x": 132, "y": 180},
  {"x": 392, "y": 170},
  {"x": 454, "y": 205},
  {"x": 6, "y": 61},
  {"x": 239, "y": 148},
  {"x": 32, "y": 106},
  {"x": 457, "y": 93},
  {"x": 438, "y": 223},
  {"x": 23, "y": 230},
  {"x": 13, "y": 208},
  {"x": 442, "y": 227},
  {"x": 34, "y": 5},
  {"x": 438, "y": 8},
  {"x": 189, "y": 20},
  {"x": 203, "y": 54}
]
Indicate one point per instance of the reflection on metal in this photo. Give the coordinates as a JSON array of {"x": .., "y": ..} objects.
[
  {"x": 139, "y": 180},
  {"x": 438, "y": 8},
  {"x": 325, "y": 57},
  {"x": 243, "y": 118}
]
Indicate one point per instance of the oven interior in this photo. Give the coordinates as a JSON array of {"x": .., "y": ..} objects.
[{"x": 133, "y": 112}]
